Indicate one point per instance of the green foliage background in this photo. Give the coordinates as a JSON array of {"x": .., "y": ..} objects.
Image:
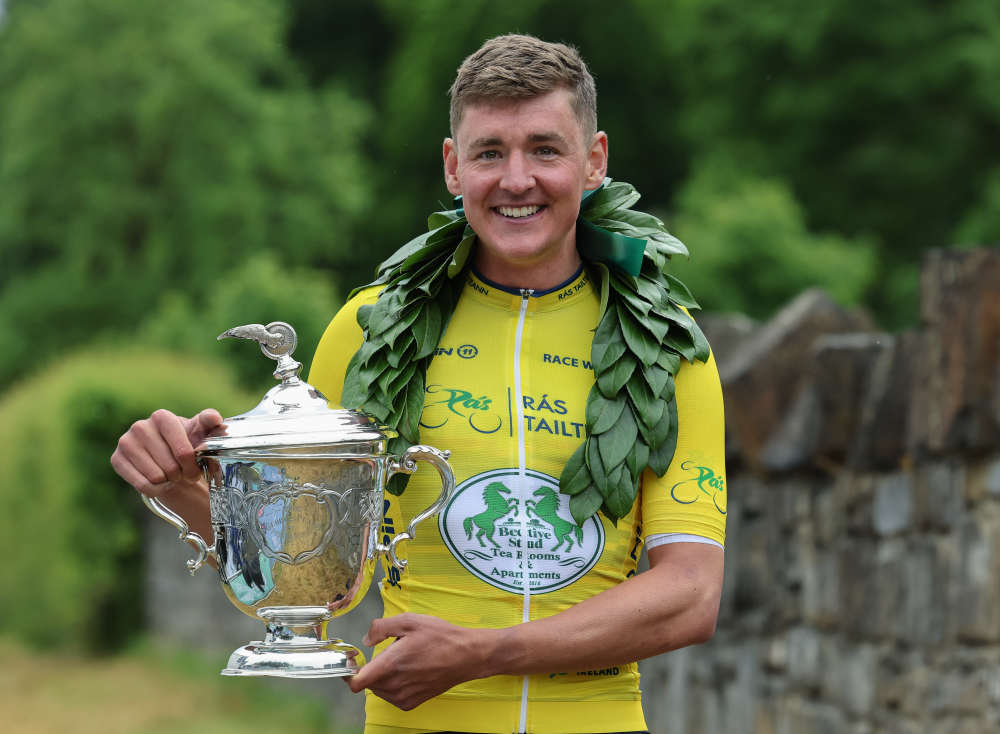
[
  {"x": 69, "y": 527},
  {"x": 169, "y": 170}
]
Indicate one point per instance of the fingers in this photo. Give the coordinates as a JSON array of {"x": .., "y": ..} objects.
[
  {"x": 174, "y": 438},
  {"x": 158, "y": 451},
  {"x": 383, "y": 629}
]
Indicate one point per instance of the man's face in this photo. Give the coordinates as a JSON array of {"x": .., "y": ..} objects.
[{"x": 521, "y": 167}]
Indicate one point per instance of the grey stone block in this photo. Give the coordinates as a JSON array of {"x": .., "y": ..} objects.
[{"x": 893, "y": 506}]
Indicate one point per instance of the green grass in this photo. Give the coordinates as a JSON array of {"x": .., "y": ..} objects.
[{"x": 146, "y": 690}]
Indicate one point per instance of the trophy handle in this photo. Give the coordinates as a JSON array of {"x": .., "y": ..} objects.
[
  {"x": 407, "y": 464},
  {"x": 165, "y": 513}
]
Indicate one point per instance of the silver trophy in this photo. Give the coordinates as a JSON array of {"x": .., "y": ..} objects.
[{"x": 296, "y": 497}]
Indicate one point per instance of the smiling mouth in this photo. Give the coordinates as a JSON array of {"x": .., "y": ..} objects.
[{"x": 517, "y": 212}]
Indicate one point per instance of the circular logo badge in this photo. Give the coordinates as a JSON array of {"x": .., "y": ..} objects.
[
  {"x": 502, "y": 528},
  {"x": 468, "y": 351}
]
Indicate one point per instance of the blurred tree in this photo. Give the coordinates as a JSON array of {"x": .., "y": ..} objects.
[
  {"x": 257, "y": 291},
  {"x": 879, "y": 116},
  {"x": 147, "y": 147},
  {"x": 981, "y": 225},
  {"x": 754, "y": 252}
]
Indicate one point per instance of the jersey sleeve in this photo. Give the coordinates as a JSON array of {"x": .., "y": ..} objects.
[
  {"x": 690, "y": 498},
  {"x": 338, "y": 344}
]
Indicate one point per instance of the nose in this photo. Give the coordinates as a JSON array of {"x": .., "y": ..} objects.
[{"x": 517, "y": 176}]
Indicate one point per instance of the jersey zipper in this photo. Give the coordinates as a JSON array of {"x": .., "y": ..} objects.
[{"x": 522, "y": 485}]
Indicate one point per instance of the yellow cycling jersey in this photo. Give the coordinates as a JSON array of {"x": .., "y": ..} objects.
[{"x": 506, "y": 393}]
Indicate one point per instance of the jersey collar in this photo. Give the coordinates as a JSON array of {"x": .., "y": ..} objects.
[{"x": 481, "y": 288}]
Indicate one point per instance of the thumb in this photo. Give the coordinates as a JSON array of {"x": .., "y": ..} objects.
[{"x": 202, "y": 425}]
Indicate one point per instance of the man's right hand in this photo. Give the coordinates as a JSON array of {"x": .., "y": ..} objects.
[{"x": 156, "y": 455}]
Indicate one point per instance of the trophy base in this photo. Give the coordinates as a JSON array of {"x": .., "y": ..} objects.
[
  {"x": 294, "y": 648},
  {"x": 330, "y": 659}
]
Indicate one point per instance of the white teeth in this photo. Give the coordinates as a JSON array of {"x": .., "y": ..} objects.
[{"x": 518, "y": 211}]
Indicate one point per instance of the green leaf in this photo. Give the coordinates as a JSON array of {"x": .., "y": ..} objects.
[
  {"x": 679, "y": 292},
  {"x": 592, "y": 456},
  {"x": 403, "y": 322},
  {"x": 439, "y": 219},
  {"x": 661, "y": 456},
  {"x": 621, "y": 497},
  {"x": 682, "y": 343},
  {"x": 377, "y": 409},
  {"x": 610, "y": 197},
  {"x": 412, "y": 407},
  {"x": 363, "y": 314},
  {"x": 644, "y": 403},
  {"x": 656, "y": 324},
  {"x": 433, "y": 284},
  {"x": 395, "y": 358},
  {"x": 575, "y": 475},
  {"x": 393, "y": 381},
  {"x": 584, "y": 504},
  {"x": 617, "y": 441},
  {"x": 637, "y": 460},
  {"x": 667, "y": 391},
  {"x": 611, "y": 380},
  {"x": 652, "y": 433},
  {"x": 701, "y": 348},
  {"x": 638, "y": 338},
  {"x": 604, "y": 278},
  {"x": 461, "y": 255},
  {"x": 397, "y": 482},
  {"x": 427, "y": 330},
  {"x": 669, "y": 361},
  {"x": 603, "y": 413},
  {"x": 608, "y": 344},
  {"x": 656, "y": 377},
  {"x": 658, "y": 432},
  {"x": 624, "y": 285},
  {"x": 665, "y": 245},
  {"x": 370, "y": 372},
  {"x": 676, "y": 314}
]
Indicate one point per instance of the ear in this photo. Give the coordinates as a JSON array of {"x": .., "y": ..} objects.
[
  {"x": 597, "y": 161},
  {"x": 449, "y": 152}
]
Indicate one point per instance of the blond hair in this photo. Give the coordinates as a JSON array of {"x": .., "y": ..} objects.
[{"x": 520, "y": 67}]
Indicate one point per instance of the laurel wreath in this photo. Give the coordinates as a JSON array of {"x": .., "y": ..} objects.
[{"x": 642, "y": 334}]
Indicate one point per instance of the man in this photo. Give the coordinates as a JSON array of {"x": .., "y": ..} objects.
[{"x": 511, "y": 618}]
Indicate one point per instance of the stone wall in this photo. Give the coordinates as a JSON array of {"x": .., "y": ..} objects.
[{"x": 862, "y": 588}]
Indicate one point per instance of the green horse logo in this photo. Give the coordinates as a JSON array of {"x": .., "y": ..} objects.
[
  {"x": 497, "y": 505},
  {"x": 546, "y": 510}
]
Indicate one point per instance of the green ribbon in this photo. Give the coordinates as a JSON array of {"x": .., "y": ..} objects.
[{"x": 599, "y": 244}]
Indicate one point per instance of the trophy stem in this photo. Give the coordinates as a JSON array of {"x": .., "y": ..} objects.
[{"x": 294, "y": 647}]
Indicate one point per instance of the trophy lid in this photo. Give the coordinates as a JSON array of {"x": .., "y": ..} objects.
[{"x": 292, "y": 414}]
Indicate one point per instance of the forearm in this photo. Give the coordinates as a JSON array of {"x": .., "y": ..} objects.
[{"x": 672, "y": 605}]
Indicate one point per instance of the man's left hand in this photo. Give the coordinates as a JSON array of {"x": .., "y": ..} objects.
[{"x": 428, "y": 657}]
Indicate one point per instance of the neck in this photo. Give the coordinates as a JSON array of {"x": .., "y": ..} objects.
[{"x": 541, "y": 275}]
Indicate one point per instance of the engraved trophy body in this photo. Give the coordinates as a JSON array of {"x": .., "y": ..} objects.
[{"x": 296, "y": 498}]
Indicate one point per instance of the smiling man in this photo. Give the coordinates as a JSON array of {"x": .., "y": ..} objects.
[
  {"x": 523, "y": 613},
  {"x": 536, "y": 334}
]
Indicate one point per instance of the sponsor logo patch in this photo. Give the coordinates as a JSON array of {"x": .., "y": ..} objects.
[
  {"x": 499, "y": 537},
  {"x": 703, "y": 484}
]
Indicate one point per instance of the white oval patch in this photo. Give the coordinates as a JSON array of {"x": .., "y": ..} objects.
[{"x": 488, "y": 516}]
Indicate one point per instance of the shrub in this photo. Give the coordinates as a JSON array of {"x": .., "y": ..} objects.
[{"x": 70, "y": 528}]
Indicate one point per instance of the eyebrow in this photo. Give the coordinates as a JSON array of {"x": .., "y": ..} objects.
[{"x": 545, "y": 137}]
